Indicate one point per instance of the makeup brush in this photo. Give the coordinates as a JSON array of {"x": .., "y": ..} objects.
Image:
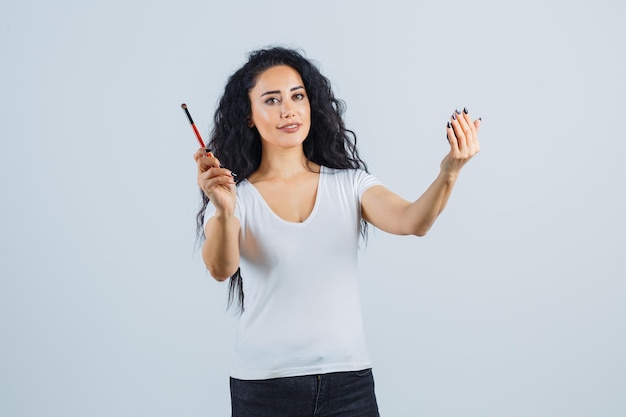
[{"x": 193, "y": 125}]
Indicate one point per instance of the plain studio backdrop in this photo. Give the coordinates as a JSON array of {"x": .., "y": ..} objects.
[{"x": 513, "y": 305}]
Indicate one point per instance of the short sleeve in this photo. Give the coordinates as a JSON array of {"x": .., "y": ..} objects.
[{"x": 364, "y": 181}]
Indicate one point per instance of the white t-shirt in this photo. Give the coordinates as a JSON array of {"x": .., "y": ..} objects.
[{"x": 302, "y": 310}]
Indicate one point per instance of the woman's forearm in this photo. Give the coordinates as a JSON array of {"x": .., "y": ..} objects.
[
  {"x": 424, "y": 211},
  {"x": 220, "y": 250}
]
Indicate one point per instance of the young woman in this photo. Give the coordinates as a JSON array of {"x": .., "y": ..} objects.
[{"x": 286, "y": 234}]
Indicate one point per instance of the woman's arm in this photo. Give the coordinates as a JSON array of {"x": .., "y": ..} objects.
[
  {"x": 220, "y": 250},
  {"x": 391, "y": 213}
]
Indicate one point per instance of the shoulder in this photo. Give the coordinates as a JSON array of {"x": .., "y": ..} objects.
[
  {"x": 346, "y": 173},
  {"x": 357, "y": 179},
  {"x": 246, "y": 194}
]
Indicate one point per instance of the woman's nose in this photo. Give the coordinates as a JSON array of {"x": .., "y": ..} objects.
[{"x": 287, "y": 112}]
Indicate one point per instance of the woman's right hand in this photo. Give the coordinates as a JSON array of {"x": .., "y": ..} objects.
[{"x": 217, "y": 183}]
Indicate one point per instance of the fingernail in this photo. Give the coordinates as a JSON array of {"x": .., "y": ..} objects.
[
  {"x": 480, "y": 118},
  {"x": 465, "y": 110},
  {"x": 453, "y": 116},
  {"x": 449, "y": 125},
  {"x": 458, "y": 111},
  {"x": 233, "y": 174},
  {"x": 207, "y": 150}
]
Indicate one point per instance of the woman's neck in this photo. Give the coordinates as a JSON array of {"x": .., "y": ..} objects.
[{"x": 283, "y": 164}]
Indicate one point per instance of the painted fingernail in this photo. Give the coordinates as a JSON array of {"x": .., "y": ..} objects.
[
  {"x": 449, "y": 125},
  {"x": 453, "y": 116},
  {"x": 465, "y": 110},
  {"x": 480, "y": 118},
  {"x": 207, "y": 150},
  {"x": 233, "y": 174},
  {"x": 458, "y": 111}
]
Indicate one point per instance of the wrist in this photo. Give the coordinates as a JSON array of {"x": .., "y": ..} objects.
[
  {"x": 224, "y": 216},
  {"x": 448, "y": 176}
]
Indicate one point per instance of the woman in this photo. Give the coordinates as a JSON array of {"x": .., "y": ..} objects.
[{"x": 286, "y": 234}]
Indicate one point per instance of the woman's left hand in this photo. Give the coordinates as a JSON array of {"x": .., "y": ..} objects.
[{"x": 462, "y": 134}]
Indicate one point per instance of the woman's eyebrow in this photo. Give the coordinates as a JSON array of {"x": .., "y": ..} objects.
[{"x": 278, "y": 91}]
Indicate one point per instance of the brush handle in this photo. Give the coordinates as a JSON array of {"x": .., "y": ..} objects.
[{"x": 193, "y": 125}]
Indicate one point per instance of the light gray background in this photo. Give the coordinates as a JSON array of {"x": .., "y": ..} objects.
[{"x": 513, "y": 305}]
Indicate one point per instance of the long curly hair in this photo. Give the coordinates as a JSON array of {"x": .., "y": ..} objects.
[{"x": 238, "y": 146}]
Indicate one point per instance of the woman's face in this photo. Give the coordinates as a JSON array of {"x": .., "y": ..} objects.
[{"x": 280, "y": 107}]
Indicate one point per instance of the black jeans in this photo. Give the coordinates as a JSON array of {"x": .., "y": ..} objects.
[{"x": 337, "y": 394}]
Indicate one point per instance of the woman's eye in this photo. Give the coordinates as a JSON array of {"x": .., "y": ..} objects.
[
  {"x": 298, "y": 96},
  {"x": 272, "y": 100}
]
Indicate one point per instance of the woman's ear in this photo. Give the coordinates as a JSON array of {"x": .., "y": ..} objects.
[{"x": 250, "y": 122}]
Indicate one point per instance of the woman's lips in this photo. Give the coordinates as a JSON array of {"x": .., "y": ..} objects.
[{"x": 290, "y": 128}]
